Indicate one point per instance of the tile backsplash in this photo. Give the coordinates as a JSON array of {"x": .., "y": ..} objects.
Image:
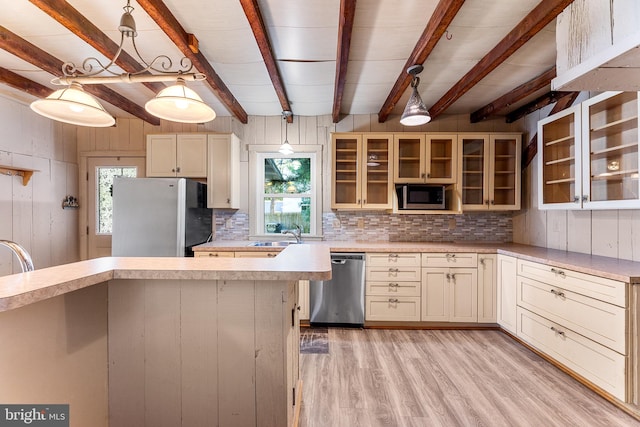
[{"x": 385, "y": 227}]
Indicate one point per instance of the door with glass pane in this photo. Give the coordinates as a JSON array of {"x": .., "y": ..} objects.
[
  {"x": 410, "y": 158},
  {"x": 100, "y": 174},
  {"x": 346, "y": 180},
  {"x": 474, "y": 156},
  {"x": 440, "y": 157},
  {"x": 504, "y": 167}
]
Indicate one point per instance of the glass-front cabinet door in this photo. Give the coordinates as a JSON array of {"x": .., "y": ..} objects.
[
  {"x": 504, "y": 172},
  {"x": 377, "y": 166},
  {"x": 409, "y": 151},
  {"x": 346, "y": 192},
  {"x": 440, "y": 155},
  {"x": 474, "y": 150},
  {"x": 610, "y": 151},
  {"x": 559, "y": 160}
]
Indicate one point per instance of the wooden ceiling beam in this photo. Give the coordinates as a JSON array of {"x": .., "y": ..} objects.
[
  {"x": 536, "y": 104},
  {"x": 78, "y": 24},
  {"x": 252, "y": 11},
  {"x": 545, "y": 12},
  {"x": 28, "y": 52},
  {"x": 442, "y": 16},
  {"x": 161, "y": 14},
  {"x": 514, "y": 96},
  {"x": 16, "y": 81},
  {"x": 345, "y": 30}
]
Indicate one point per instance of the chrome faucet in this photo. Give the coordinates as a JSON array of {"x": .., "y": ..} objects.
[
  {"x": 21, "y": 253},
  {"x": 297, "y": 233}
]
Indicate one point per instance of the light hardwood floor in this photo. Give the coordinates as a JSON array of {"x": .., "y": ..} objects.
[{"x": 376, "y": 377}]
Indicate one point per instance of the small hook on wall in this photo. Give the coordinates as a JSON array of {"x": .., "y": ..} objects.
[{"x": 447, "y": 35}]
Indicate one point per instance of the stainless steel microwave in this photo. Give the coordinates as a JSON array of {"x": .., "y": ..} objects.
[{"x": 420, "y": 196}]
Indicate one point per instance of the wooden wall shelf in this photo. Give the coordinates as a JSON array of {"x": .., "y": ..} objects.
[{"x": 16, "y": 171}]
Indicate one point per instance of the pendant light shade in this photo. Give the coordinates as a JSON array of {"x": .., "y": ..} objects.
[
  {"x": 415, "y": 113},
  {"x": 178, "y": 103},
  {"x": 74, "y": 106},
  {"x": 286, "y": 148}
]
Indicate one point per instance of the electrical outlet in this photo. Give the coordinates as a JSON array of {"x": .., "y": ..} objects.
[
  {"x": 336, "y": 223},
  {"x": 360, "y": 222}
]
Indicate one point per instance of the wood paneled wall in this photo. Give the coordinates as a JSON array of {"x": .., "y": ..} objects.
[
  {"x": 32, "y": 215},
  {"x": 611, "y": 233}
]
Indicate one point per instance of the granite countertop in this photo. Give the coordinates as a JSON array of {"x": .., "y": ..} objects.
[
  {"x": 296, "y": 262},
  {"x": 611, "y": 268}
]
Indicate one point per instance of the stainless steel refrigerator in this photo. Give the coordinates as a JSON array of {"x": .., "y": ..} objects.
[{"x": 163, "y": 217}]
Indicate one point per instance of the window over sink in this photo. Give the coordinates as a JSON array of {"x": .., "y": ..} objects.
[{"x": 285, "y": 191}]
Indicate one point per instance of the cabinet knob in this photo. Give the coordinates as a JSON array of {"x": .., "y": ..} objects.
[
  {"x": 428, "y": 175},
  {"x": 393, "y": 255},
  {"x": 173, "y": 170},
  {"x": 576, "y": 199},
  {"x": 228, "y": 201},
  {"x": 453, "y": 276},
  {"x": 448, "y": 276},
  {"x": 393, "y": 285},
  {"x": 364, "y": 202},
  {"x": 178, "y": 169},
  {"x": 585, "y": 198},
  {"x": 393, "y": 270},
  {"x": 493, "y": 202},
  {"x": 422, "y": 176},
  {"x": 393, "y": 300},
  {"x": 481, "y": 261},
  {"x": 486, "y": 202},
  {"x": 270, "y": 255},
  {"x": 213, "y": 254}
]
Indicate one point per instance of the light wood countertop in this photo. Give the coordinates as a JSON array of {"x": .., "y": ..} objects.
[
  {"x": 297, "y": 262},
  {"x": 611, "y": 268}
]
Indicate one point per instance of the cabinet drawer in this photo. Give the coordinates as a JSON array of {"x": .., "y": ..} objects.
[
  {"x": 256, "y": 254},
  {"x": 392, "y": 308},
  {"x": 213, "y": 254},
  {"x": 450, "y": 260},
  {"x": 600, "y": 288},
  {"x": 597, "y": 320},
  {"x": 390, "y": 288},
  {"x": 597, "y": 363},
  {"x": 393, "y": 259},
  {"x": 393, "y": 274}
]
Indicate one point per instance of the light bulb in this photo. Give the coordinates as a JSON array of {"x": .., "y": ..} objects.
[
  {"x": 76, "y": 108},
  {"x": 182, "y": 104}
]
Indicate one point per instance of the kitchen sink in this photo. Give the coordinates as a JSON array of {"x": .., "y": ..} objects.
[{"x": 273, "y": 244}]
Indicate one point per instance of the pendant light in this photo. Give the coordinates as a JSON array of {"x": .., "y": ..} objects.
[
  {"x": 73, "y": 105},
  {"x": 415, "y": 113},
  {"x": 286, "y": 148}
]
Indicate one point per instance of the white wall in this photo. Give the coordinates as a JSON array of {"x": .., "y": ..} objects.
[
  {"x": 32, "y": 215},
  {"x": 612, "y": 233}
]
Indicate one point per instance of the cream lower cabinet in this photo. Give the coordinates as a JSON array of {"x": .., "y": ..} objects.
[
  {"x": 507, "y": 274},
  {"x": 449, "y": 287},
  {"x": 487, "y": 290},
  {"x": 392, "y": 287},
  {"x": 578, "y": 319}
]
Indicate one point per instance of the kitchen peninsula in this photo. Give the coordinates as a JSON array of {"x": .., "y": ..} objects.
[{"x": 159, "y": 341}]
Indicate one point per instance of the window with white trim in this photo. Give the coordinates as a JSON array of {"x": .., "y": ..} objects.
[{"x": 286, "y": 189}]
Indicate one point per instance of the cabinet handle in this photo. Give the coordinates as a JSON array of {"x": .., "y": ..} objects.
[
  {"x": 270, "y": 255},
  {"x": 481, "y": 261},
  {"x": 493, "y": 202},
  {"x": 213, "y": 254},
  {"x": 173, "y": 170},
  {"x": 393, "y": 270},
  {"x": 393, "y": 285},
  {"x": 448, "y": 276},
  {"x": 428, "y": 175},
  {"x": 557, "y": 331},
  {"x": 585, "y": 198},
  {"x": 486, "y": 202},
  {"x": 178, "y": 169},
  {"x": 576, "y": 199},
  {"x": 358, "y": 202},
  {"x": 557, "y": 293},
  {"x": 556, "y": 271},
  {"x": 393, "y": 300},
  {"x": 364, "y": 202},
  {"x": 393, "y": 255},
  {"x": 453, "y": 276},
  {"x": 450, "y": 256},
  {"x": 422, "y": 176},
  {"x": 228, "y": 201}
]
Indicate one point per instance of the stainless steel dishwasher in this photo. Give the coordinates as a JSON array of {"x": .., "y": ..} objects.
[{"x": 339, "y": 301}]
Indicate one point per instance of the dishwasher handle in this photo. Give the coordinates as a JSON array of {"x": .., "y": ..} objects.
[{"x": 339, "y": 261}]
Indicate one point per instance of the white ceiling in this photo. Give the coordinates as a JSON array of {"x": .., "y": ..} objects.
[{"x": 304, "y": 37}]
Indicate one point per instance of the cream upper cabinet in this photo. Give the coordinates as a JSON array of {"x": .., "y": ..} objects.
[
  {"x": 362, "y": 171},
  {"x": 181, "y": 155},
  {"x": 223, "y": 177},
  {"x": 490, "y": 171},
  {"x": 425, "y": 158},
  {"x": 590, "y": 155},
  {"x": 507, "y": 271}
]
